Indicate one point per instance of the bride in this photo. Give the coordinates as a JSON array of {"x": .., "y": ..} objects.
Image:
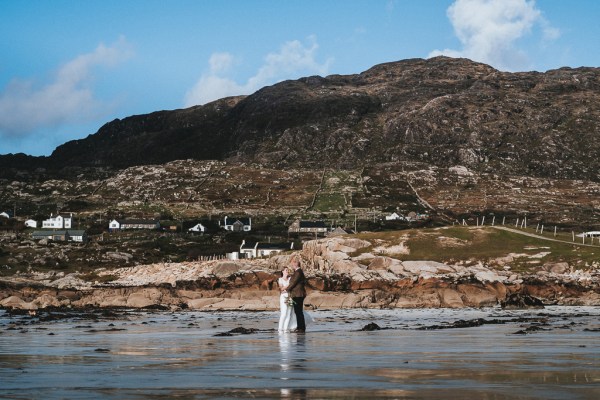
[{"x": 287, "y": 318}]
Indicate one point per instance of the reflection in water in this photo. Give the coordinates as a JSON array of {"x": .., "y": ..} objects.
[
  {"x": 183, "y": 358},
  {"x": 294, "y": 394},
  {"x": 284, "y": 350},
  {"x": 291, "y": 349}
]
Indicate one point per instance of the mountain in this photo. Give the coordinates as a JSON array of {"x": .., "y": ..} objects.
[{"x": 440, "y": 111}]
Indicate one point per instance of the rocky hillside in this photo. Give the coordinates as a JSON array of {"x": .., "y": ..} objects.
[{"x": 440, "y": 111}]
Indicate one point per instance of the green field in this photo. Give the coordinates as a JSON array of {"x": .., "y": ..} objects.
[{"x": 490, "y": 246}]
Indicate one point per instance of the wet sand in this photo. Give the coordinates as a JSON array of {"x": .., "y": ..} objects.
[{"x": 552, "y": 353}]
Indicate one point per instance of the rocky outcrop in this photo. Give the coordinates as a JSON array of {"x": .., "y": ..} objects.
[{"x": 341, "y": 274}]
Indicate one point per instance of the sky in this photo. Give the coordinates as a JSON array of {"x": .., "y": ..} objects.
[{"x": 67, "y": 67}]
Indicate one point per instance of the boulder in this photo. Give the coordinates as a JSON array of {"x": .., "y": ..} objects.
[
  {"x": 198, "y": 304},
  {"x": 557, "y": 268},
  {"x": 140, "y": 300},
  {"x": 48, "y": 300},
  {"x": 380, "y": 263},
  {"x": 451, "y": 298},
  {"x": 13, "y": 302},
  {"x": 226, "y": 268},
  {"x": 427, "y": 267},
  {"x": 518, "y": 301}
]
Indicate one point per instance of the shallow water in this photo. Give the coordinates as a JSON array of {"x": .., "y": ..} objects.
[{"x": 161, "y": 354}]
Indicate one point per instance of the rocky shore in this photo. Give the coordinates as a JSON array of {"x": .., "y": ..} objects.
[{"x": 339, "y": 274}]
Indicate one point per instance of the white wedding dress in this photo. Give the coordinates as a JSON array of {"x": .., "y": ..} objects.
[{"x": 287, "y": 318}]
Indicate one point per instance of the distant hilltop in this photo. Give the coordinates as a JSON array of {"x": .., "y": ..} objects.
[{"x": 440, "y": 111}]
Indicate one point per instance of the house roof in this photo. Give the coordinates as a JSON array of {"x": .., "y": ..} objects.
[
  {"x": 233, "y": 220},
  {"x": 340, "y": 231},
  {"x": 248, "y": 245},
  {"x": 49, "y": 232},
  {"x": 273, "y": 246},
  {"x": 137, "y": 221},
  {"x": 312, "y": 224}
]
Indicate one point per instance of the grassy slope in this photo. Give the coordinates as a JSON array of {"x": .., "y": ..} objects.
[{"x": 494, "y": 247}]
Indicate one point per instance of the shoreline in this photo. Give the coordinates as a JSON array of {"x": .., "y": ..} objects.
[{"x": 340, "y": 274}]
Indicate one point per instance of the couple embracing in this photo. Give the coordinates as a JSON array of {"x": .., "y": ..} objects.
[{"x": 291, "y": 300}]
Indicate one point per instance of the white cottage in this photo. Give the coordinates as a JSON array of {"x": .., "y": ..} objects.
[
  {"x": 238, "y": 224},
  {"x": 31, "y": 223},
  {"x": 257, "y": 249},
  {"x": 60, "y": 221},
  {"x": 123, "y": 224},
  {"x": 198, "y": 228},
  {"x": 395, "y": 217}
]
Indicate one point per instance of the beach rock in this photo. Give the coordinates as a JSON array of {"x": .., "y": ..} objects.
[
  {"x": 144, "y": 298},
  {"x": 517, "y": 301},
  {"x": 371, "y": 327},
  {"x": 199, "y": 304},
  {"x": 48, "y": 300},
  {"x": 13, "y": 302},
  {"x": 451, "y": 298},
  {"x": 335, "y": 300},
  {"x": 477, "y": 295}
]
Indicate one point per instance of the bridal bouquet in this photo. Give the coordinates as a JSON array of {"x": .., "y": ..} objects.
[{"x": 290, "y": 302}]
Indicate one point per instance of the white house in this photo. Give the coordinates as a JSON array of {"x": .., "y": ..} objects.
[
  {"x": 122, "y": 224},
  {"x": 257, "y": 249},
  {"x": 198, "y": 228},
  {"x": 394, "y": 217},
  {"x": 237, "y": 224},
  {"x": 31, "y": 223},
  {"x": 61, "y": 235},
  {"x": 61, "y": 221},
  {"x": 4, "y": 214},
  {"x": 299, "y": 226}
]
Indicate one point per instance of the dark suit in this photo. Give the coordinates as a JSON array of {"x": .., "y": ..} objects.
[{"x": 297, "y": 292}]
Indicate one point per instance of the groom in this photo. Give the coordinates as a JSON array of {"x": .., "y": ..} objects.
[{"x": 297, "y": 293}]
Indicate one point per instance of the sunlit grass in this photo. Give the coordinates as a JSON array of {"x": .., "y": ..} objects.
[{"x": 468, "y": 245}]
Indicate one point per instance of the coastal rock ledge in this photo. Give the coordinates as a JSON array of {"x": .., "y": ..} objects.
[{"x": 342, "y": 273}]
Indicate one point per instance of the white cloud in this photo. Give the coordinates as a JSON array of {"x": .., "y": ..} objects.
[
  {"x": 292, "y": 60},
  {"x": 69, "y": 97},
  {"x": 220, "y": 62},
  {"x": 489, "y": 29}
]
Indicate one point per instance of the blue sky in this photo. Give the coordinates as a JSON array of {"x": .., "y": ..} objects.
[{"x": 68, "y": 67}]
